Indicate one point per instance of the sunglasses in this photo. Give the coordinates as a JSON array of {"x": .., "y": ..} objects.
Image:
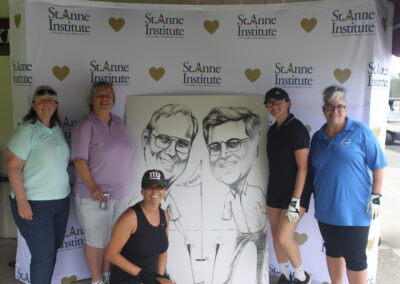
[{"x": 41, "y": 92}]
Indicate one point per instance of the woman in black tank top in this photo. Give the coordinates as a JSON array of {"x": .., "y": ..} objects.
[{"x": 139, "y": 242}]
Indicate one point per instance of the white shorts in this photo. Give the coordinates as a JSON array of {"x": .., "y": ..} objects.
[{"x": 97, "y": 223}]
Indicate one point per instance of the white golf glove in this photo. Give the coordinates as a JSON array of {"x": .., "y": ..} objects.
[
  {"x": 374, "y": 205},
  {"x": 293, "y": 213}
]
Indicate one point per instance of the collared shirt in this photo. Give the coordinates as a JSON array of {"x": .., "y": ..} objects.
[
  {"x": 341, "y": 169},
  {"x": 282, "y": 142},
  {"x": 108, "y": 152},
  {"x": 247, "y": 208},
  {"x": 168, "y": 203},
  {"x": 46, "y": 156}
]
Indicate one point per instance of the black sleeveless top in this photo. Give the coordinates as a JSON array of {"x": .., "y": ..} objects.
[{"x": 143, "y": 246}]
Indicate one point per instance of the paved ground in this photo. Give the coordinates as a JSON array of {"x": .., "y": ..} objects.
[{"x": 389, "y": 251}]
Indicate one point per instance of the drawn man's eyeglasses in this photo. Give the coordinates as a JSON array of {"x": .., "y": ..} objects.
[
  {"x": 164, "y": 141},
  {"x": 330, "y": 107},
  {"x": 232, "y": 145}
]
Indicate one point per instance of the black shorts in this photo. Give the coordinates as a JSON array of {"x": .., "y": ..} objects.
[
  {"x": 281, "y": 201},
  {"x": 349, "y": 242}
]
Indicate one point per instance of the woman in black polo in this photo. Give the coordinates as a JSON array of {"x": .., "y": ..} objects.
[{"x": 287, "y": 148}]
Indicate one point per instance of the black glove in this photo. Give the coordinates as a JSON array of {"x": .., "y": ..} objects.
[
  {"x": 147, "y": 277},
  {"x": 165, "y": 276}
]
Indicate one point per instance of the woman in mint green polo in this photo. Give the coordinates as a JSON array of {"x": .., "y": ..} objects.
[{"x": 37, "y": 160}]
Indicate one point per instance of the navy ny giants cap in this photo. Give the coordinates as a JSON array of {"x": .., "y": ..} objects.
[{"x": 153, "y": 177}]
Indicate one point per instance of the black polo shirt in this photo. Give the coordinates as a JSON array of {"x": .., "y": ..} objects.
[{"x": 282, "y": 142}]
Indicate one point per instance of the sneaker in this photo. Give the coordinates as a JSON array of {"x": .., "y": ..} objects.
[
  {"x": 283, "y": 280},
  {"x": 306, "y": 281}
]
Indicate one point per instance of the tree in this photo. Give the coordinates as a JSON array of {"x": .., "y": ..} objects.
[{"x": 395, "y": 86}]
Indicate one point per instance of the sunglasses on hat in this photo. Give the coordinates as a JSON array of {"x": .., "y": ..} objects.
[{"x": 41, "y": 92}]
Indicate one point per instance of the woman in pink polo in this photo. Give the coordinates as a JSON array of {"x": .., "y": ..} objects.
[{"x": 102, "y": 156}]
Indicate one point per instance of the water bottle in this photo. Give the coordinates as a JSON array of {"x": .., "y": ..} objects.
[{"x": 104, "y": 204}]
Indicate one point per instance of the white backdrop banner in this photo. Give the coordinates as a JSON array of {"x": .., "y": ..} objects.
[{"x": 164, "y": 50}]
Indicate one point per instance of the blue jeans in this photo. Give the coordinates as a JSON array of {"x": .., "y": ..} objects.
[{"x": 44, "y": 234}]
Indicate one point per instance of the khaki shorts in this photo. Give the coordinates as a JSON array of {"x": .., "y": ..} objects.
[{"x": 97, "y": 223}]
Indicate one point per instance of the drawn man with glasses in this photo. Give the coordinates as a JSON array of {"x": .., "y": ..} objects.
[
  {"x": 167, "y": 141},
  {"x": 232, "y": 137}
]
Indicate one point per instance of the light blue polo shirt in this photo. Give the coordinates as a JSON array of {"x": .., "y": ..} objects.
[
  {"x": 46, "y": 156},
  {"x": 342, "y": 173}
]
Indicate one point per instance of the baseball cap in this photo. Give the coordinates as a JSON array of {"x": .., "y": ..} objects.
[
  {"x": 153, "y": 177},
  {"x": 276, "y": 93},
  {"x": 45, "y": 91}
]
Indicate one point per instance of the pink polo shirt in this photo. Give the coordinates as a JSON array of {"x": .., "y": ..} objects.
[{"x": 109, "y": 154}]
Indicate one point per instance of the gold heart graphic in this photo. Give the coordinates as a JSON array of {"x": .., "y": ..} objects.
[
  {"x": 68, "y": 280},
  {"x": 377, "y": 131},
  {"x": 342, "y": 75},
  {"x": 300, "y": 238},
  {"x": 370, "y": 244},
  {"x": 156, "y": 73},
  {"x": 17, "y": 20},
  {"x": 116, "y": 24},
  {"x": 308, "y": 127},
  {"x": 61, "y": 72},
  {"x": 384, "y": 23},
  {"x": 252, "y": 75},
  {"x": 308, "y": 24},
  {"x": 211, "y": 26}
]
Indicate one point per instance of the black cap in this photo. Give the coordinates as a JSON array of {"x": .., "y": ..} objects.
[
  {"x": 152, "y": 177},
  {"x": 276, "y": 93}
]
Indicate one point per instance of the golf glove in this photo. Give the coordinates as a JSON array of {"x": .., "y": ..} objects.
[
  {"x": 374, "y": 205},
  {"x": 293, "y": 213},
  {"x": 165, "y": 276},
  {"x": 147, "y": 277}
]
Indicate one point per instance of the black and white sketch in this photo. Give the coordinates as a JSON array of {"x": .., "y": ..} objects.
[
  {"x": 216, "y": 182},
  {"x": 232, "y": 137},
  {"x": 167, "y": 141}
]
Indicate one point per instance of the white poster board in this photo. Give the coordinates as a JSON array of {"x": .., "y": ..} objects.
[{"x": 213, "y": 230}]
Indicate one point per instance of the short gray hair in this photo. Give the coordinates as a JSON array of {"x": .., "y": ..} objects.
[{"x": 333, "y": 93}]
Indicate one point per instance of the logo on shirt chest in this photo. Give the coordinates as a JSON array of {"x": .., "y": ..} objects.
[{"x": 346, "y": 142}]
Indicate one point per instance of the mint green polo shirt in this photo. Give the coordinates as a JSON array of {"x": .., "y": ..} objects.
[{"x": 46, "y": 155}]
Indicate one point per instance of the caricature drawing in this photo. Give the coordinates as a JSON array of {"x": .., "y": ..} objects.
[
  {"x": 232, "y": 137},
  {"x": 167, "y": 141}
]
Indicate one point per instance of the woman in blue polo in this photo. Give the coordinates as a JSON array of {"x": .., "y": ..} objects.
[
  {"x": 346, "y": 164},
  {"x": 37, "y": 160}
]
